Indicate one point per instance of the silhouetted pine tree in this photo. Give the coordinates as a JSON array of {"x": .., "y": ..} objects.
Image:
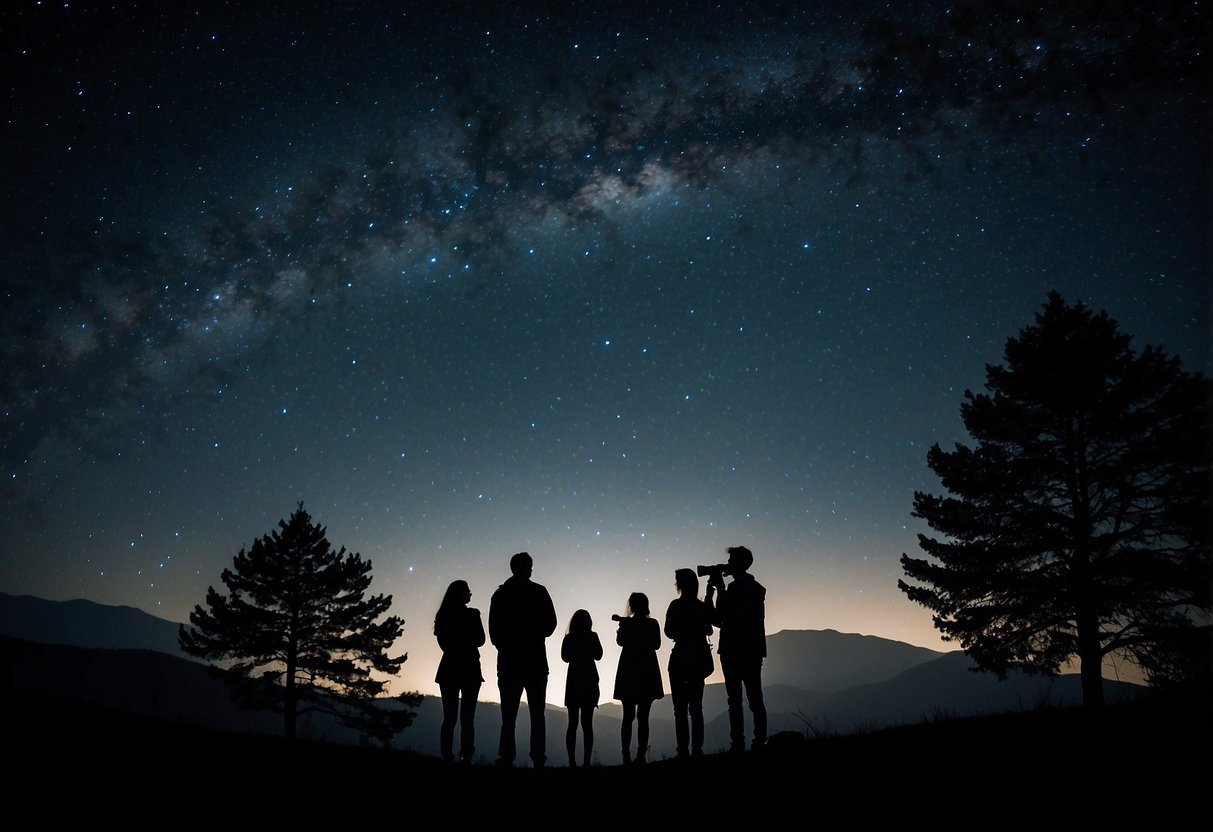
[
  {"x": 1078, "y": 525},
  {"x": 300, "y": 634}
]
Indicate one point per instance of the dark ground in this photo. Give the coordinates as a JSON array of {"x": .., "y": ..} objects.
[{"x": 1144, "y": 763}]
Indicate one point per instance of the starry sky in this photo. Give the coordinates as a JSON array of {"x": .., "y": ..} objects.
[{"x": 621, "y": 285}]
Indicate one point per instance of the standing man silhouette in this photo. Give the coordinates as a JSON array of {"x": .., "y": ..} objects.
[
  {"x": 741, "y": 616},
  {"x": 521, "y": 617}
]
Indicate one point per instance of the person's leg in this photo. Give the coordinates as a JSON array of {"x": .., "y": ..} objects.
[
  {"x": 678, "y": 693},
  {"x": 732, "y": 690},
  {"x": 570, "y": 735},
  {"x": 642, "y": 729},
  {"x": 467, "y": 722},
  {"x": 511, "y": 696},
  {"x": 536, "y": 703},
  {"x": 625, "y": 730},
  {"x": 758, "y": 707},
  {"x": 695, "y": 709},
  {"x": 587, "y": 729},
  {"x": 450, "y": 714}
]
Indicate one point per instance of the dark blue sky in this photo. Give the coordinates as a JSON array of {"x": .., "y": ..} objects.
[{"x": 619, "y": 287}]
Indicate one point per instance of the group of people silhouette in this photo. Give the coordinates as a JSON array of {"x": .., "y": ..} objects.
[{"x": 522, "y": 618}]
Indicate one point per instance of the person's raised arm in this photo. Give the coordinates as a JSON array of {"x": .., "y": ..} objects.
[{"x": 709, "y": 600}]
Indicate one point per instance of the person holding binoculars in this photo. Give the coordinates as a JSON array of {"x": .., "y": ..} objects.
[{"x": 740, "y": 613}]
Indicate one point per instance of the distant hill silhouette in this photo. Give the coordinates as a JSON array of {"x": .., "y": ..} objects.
[
  {"x": 816, "y": 682},
  {"x": 85, "y": 624},
  {"x": 829, "y": 661},
  {"x": 144, "y": 682}
]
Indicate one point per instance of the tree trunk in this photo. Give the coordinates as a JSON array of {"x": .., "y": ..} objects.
[
  {"x": 289, "y": 717},
  {"x": 1086, "y": 621},
  {"x": 1090, "y": 657},
  {"x": 289, "y": 700},
  {"x": 1092, "y": 685}
]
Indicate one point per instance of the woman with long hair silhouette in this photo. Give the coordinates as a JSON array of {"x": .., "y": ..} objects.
[
  {"x": 581, "y": 649},
  {"x": 460, "y": 634}
]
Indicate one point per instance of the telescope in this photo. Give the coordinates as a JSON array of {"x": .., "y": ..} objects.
[{"x": 715, "y": 574}]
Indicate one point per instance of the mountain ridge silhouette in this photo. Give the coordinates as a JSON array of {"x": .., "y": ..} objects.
[
  {"x": 816, "y": 683},
  {"x": 83, "y": 623}
]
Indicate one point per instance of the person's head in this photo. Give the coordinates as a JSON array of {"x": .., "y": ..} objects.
[
  {"x": 638, "y": 604},
  {"x": 581, "y": 622},
  {"x": 687, "y": 582},
  {"x": 740, "y": 559},
  {"x": 457, "y": 595},
  {"x": 521, "y": 565}
]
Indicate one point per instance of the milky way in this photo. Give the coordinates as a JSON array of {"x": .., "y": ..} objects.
[{"x": 618, "y": 286}]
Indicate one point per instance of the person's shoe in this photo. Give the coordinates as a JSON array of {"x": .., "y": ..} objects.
[
  {"x": 502, "y": 762},
  {"x": 627, "y": 757},
  {"x": 758, "y": 744}
]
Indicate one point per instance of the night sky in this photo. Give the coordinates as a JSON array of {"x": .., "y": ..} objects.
[{"x": 619, "y": 285}]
